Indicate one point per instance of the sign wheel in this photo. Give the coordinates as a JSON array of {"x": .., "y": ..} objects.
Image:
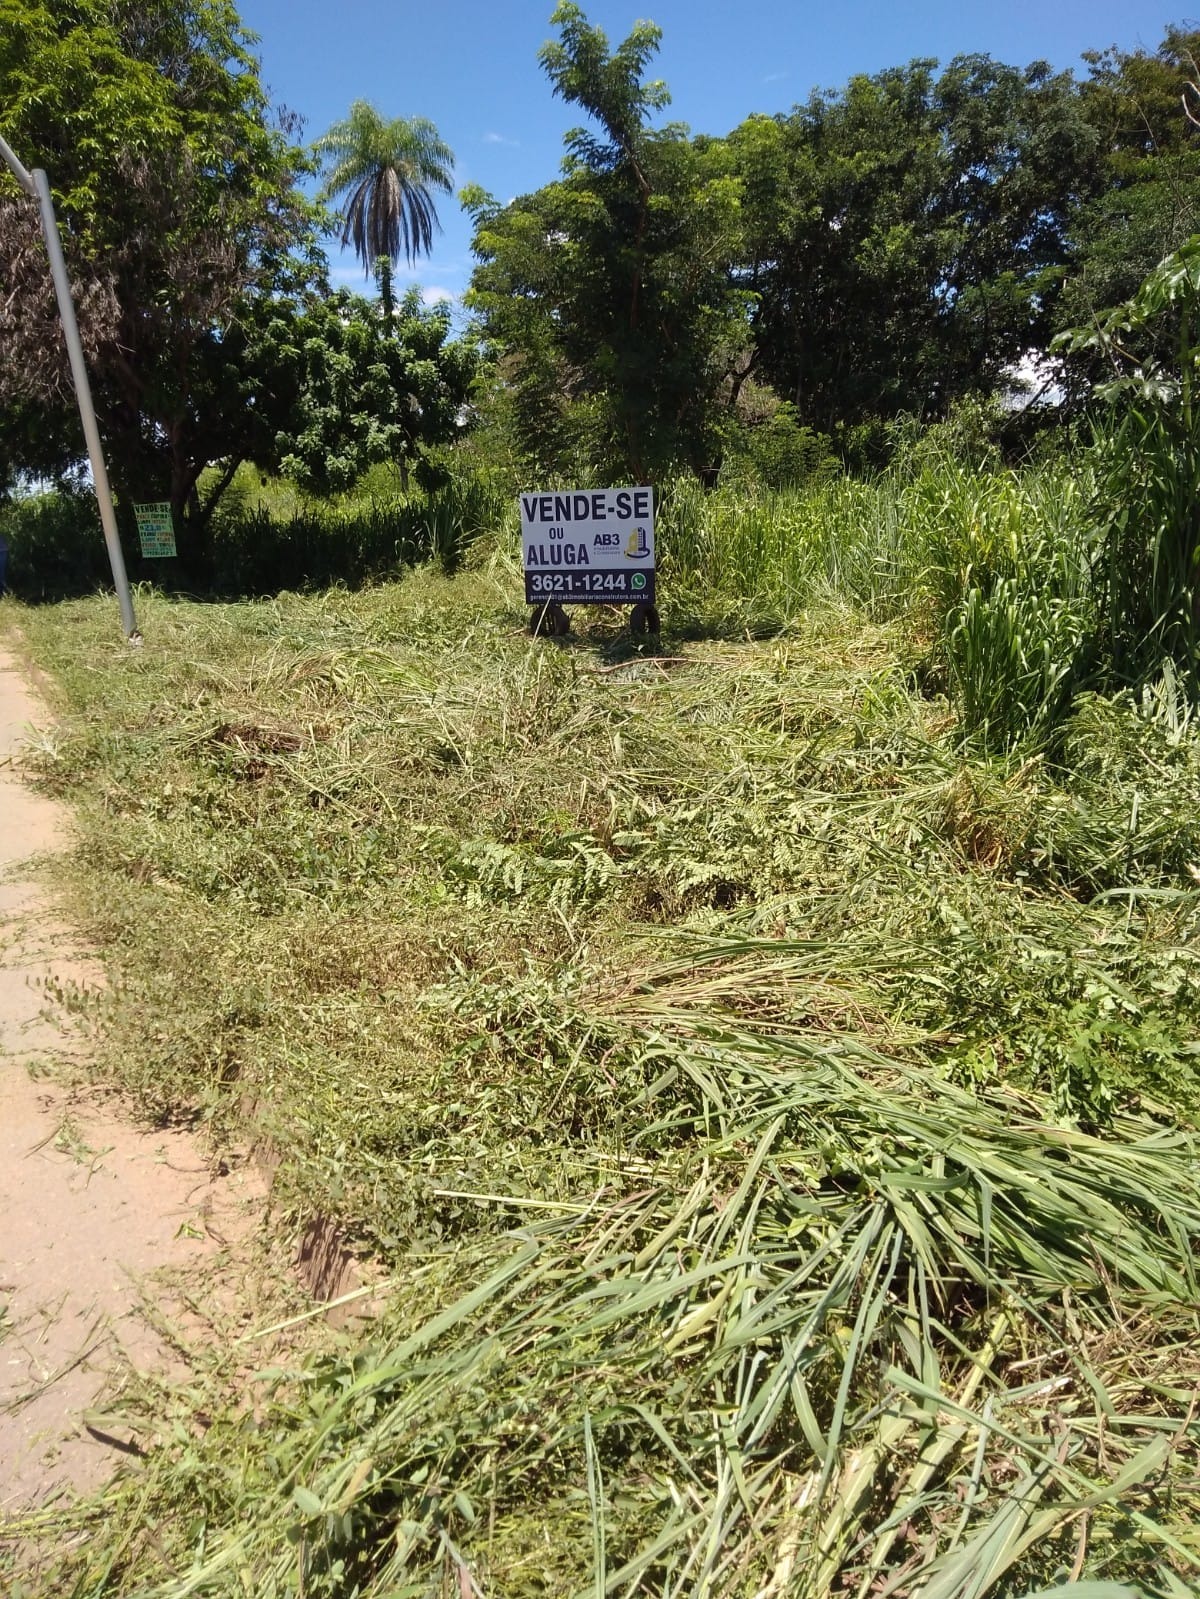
[{"x": 549, "y": 621}]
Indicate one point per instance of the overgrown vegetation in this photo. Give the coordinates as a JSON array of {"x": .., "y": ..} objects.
[
  {"x": 890, "y": 249},
  {"x": 56, "y": 550}
]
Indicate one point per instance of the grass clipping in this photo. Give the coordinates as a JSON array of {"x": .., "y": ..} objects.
[
  {"x": 839, "y": 1327},
  {"x": 779, "y": 1250}
]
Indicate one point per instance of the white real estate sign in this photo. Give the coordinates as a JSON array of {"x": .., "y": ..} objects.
[{"x": 589, "y": 547}]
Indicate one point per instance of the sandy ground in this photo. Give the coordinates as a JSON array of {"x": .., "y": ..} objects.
[{"x": 90, "y": 1204}]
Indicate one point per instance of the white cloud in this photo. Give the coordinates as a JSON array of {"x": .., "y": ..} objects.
[
  {"x": 434, "y": 295},
  {"x": 500, "y": 138}
]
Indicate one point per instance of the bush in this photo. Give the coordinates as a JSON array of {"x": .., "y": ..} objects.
[
  {"x": 781, "y": 453},
  {"x": 55, "y": 545}
]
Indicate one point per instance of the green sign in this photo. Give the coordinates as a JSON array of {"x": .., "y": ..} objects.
[{"x": 156, "y": 529}]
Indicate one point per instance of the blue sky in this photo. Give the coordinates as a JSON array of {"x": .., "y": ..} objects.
[{"x": 471, "y": 67}]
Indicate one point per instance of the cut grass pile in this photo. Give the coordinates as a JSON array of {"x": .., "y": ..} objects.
[{"x": 774, "y": 1121}]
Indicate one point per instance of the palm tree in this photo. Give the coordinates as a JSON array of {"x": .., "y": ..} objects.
[{"x": 384, "y": 172}]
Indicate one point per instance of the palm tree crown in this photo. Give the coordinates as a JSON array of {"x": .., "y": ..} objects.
[{"x": 384, "y": 171}]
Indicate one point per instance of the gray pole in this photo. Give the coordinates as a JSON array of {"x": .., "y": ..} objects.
[
  {"x": 37, "y": 186},
  {"x": 17, "y": 170},
  {"x": 83, "y": 393}
]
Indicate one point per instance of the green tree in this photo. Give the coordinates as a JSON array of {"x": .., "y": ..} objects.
[
  {"x": 384, "y": 172},
  {"x": 177, "y": 197},
  {"x": 336, "y": 389},
  {"x": 607, "y": 296},
  {"x": 1142, "y": 201},
  {"x": 905, "y": 237}
]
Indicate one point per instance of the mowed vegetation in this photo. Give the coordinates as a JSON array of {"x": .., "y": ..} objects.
[{"x": 768, "y": 1087}]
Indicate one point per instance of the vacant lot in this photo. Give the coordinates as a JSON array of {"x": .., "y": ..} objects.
[{"x": 773, "y": 1120}]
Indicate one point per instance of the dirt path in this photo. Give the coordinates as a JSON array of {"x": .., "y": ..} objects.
[{"x": 89, "y": 1204}]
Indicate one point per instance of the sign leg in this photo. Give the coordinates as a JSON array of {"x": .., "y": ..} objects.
[
  {"x": 644, "y": 619},
  {"x": 549, "y": 621}
]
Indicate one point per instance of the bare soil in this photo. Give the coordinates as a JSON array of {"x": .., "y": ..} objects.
[{"x": 93, "y": 1208}]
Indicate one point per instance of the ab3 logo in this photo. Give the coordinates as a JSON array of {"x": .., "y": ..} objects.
[{"x": 637, "y": 545}]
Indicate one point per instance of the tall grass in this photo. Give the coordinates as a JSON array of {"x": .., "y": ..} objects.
[
  {"x": 253, "y": 553},
  {"x": 1148, "y": 565},
  {"x": 56, "y": 549},
  {"x": 1147, "y": 529},
  {"x": 55, "y": 545},
  {"x": 993, "y": 567},
  {"x": 992, "y": 570}
]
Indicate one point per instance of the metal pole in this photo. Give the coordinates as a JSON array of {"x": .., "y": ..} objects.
[
  {"x": 17, "y": 170},
  {"x": 83, "y": 393},
  {"x": 36, "y": 186}
]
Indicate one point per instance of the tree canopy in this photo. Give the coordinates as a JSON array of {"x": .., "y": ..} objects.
[
  {"x": 886, "y": 249},
  {"x": 906, "y": 236},
  {"x": 1142, "y": 198},
  {"x": 339, "y": 388},
  {"x": 177, "y": 197},
  {"x": 384, "y": 171},
  {"x": 882, "y": 250},
  {"x": 203, "y": 301},
  {"x": 609, "y": 293}
]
